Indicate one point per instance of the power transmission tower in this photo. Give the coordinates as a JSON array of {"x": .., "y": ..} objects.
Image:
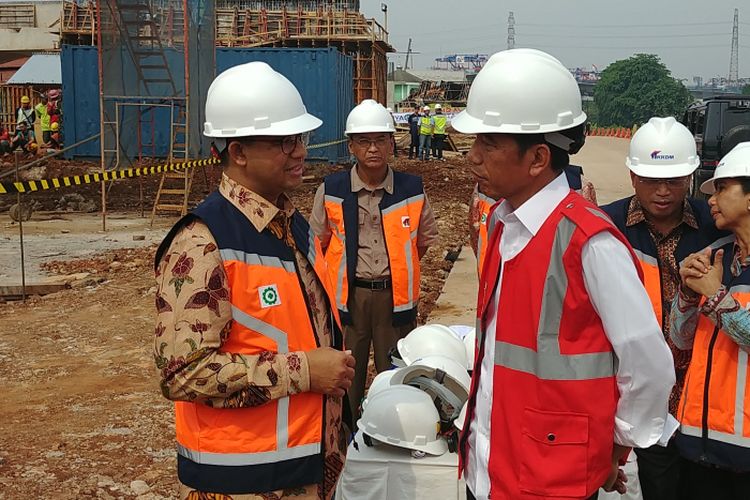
[
  {"x": 734, "y": 61},
  {"x": 512, "y": 31}
]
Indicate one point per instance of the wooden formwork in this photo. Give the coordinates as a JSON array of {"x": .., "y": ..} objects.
[{"x": 10, "y": 100}]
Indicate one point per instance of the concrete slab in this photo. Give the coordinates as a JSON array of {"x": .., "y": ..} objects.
[{"x": 457, "y": 303}]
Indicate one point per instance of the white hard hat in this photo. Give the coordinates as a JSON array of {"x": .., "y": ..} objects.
[
  {"x": 426, "y": 108},
  {"x": 736, "y": 163},
  {"x": 428, "y": 340},
  {"x": 459, "y": 422},
  {"x": 381, "y": 381},
  {"x": 445, "y": 380},
  {"x": 521, "y": 91},
  {"x": 470, "y": 341},
  {"x": 253, "y": 99},
  {"x": 369, "y": 116},
  {"x": 390, "y": 110},
  {"x": 403, "y": 416},
  {"x": 438, "y": 106},
  {"x": 663, "y": 148}
]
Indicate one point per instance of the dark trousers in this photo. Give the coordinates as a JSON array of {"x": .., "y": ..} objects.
[
  {"x": 660, "y": 472},
  {"x": 372, "y": 313},
  {"x": 437, "y": 146},
  {"x": 704, "y": 482},
  {"x": 414, "y": 146}
]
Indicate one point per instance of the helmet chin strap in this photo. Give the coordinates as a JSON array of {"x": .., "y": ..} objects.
[{"x": 559, "y": 140}]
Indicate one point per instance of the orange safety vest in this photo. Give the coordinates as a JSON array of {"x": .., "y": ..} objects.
[
  {"x": 400, "y": 216},
  {"x": 484, "y": 205},
  {"x": 277, "y": 444},
  {"x": 714, "y": 410}
]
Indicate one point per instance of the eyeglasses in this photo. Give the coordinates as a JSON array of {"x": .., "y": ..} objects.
[
  {"x": 675, "y": 182},
  {"x": 379, "y": 142},
  {"x": 287, "y": 143}
]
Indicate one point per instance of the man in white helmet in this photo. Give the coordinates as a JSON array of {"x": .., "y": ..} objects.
[
  {"x": 248, "y": 341},
  {"x": 426, "y": 128},
  {"x": 375, "y": 224},
  {"x": 572, "y": 369},
  {"x": 664, "y": 226}
]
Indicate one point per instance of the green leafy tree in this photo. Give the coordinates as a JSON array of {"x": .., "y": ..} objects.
[
  {"x": 633, "y": 90},
  {"x": 746, "y": 90}
]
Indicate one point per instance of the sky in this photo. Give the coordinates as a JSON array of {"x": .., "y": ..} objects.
[{"x": 692, "y": 37}]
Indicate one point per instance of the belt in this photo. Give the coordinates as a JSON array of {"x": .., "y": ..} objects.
[{"x": 381, "y": 284}]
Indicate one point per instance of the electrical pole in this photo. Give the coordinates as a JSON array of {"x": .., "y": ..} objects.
[
  {"x": 408, "y": 53},
  {"x": 511, "y": 31},
  {"x": 734, "y": 59}
]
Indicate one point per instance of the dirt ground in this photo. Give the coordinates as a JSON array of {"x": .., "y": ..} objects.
[{"x": 83, "y": 416}]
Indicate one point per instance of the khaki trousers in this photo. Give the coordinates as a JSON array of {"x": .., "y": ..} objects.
[{"x": 372, "y": 313}]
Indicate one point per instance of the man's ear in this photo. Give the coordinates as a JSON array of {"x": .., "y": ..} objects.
[
  {"x": 236, "y": 153},
  {"x": 541, "y": 159}
]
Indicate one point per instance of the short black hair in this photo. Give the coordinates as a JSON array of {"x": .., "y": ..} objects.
[
  {"x": 560, "y": 158},
  {"x": 745, "y": 183}
]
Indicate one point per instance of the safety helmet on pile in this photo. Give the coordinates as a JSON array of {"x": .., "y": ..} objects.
[
  {"x": 445, "y": 380},
  {"x": 736, "y": 163},
  {"x": 429, "y": 340},
  {"x": 381, "y": 381},
  {"x": 461, "y": 420},
  {"x": 252, "y": 99},
  {"x": 663, "y": 148},
  {"x": 369, "y": 116},
  {"x": 523, "y": 91},
  {"x": 470, "y": 342},
  {"x": 55, "y": 126},
  {"x": 25, "y": 99},
  {"x": 403, "y": 416}
]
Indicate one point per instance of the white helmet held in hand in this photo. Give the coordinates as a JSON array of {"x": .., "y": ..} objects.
[
  {"x": 445, "y": 380},
  {"x": 735, "y": 163},
  {"x": 430, "y": 340},
  {"x": 403, "y": 416},
  {"x": 521, "y": 91},
  {"x": 369, "y": 116},
  {"x": 253, "y": 99},
  {"x": 663, "y": 148}
]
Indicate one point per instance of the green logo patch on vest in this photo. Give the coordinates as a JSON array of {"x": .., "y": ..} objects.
[{"x": 269, "y": 296}]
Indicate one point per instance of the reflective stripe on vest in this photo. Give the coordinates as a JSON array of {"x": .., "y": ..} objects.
[
  {"x": 547, "y": 362},
  {"x": 441, "y": 121},
  {"x": 402, "y": 250},
  {"x": 425, "y": 125},
  {"x": 336, "y": 251}
]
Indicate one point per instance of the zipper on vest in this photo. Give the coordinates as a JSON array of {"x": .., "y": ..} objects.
[{"x": 704, "y": 417}]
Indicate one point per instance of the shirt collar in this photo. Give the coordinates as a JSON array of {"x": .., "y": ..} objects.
[
  {"x": 359, "y": 185},
  {"x": 538, "y": 208},
  {"x": 259, "y": 211},
  {"x": 636, "y": 214}
]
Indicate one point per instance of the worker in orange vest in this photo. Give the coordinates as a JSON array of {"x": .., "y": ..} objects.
[
  {"x": 248, "y": 340},
  {"x": 571, "y": 370}
]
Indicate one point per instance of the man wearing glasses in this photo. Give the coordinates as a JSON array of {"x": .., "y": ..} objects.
[
  {"x": 375, "y": 225},
  {"x": 664, "y": 226},
  {"x": 247, "y": 340}
]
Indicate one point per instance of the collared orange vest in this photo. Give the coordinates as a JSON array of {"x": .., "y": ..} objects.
[
  {"x": 278, "y": 444},
  {"x": 691, "y": 241},
  {"x": 554, "y": 368},
  {"x": 714, "y": 410},
  {"x": 400, "y": 216},
  {"x": 484, "y": 207}
]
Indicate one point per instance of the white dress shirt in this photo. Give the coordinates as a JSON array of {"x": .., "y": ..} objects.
[{"x": 645, "y": 372}]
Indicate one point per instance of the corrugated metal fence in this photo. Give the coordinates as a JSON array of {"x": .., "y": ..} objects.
[{"x": 323, "y": 77}]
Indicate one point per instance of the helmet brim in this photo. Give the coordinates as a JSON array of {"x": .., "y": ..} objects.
[
  {"x": 663, "y": 171},
  {"x": 464, "y": 123},
  {"x": 297, "y": 125}
]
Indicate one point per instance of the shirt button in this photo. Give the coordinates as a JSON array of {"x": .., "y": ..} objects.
[
  {"x": 374, "y": 219},
  {"x": 376, "y": 241},
  {"x": 550, "y": 437},
  {"x": 377, "y": 261}
]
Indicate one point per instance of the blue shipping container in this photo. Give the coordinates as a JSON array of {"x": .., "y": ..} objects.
[{"x": 323, "y": 76}]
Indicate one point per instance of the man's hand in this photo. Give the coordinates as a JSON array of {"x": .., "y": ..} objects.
[
  {"x": 331, "y": 371},
  {"x": 617, "y": 479}
]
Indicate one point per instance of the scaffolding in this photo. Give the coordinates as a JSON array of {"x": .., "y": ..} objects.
[{"x": 271, "y": 23}]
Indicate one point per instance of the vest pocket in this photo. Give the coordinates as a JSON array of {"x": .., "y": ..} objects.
[{"x": 554, "y": 451}]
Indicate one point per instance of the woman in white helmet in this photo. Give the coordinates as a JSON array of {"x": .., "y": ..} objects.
[
  {"x": 710, "y": 315},
  {"x": 572, "y": 369},
  {"x": 258, "y": 403}
]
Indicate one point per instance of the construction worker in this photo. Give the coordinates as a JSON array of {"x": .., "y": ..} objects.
[
  {"x": 438, "y": 134},
  {"x": 426, "y": 127},
  {"x": 571, "y": 368},
  {"x": 24, "y": 113},
  {"x": 247, "y": 340},
  {"x": 481, "y": 204},
  {"x": 24, "y": 138},
  {"x": 375, "y": 224},
  {"x": 710, "y": 315},
  {"x": 414, "y": 120},
  {"x": 44, "y": 119},
  {"x": 664, "y": 227}
]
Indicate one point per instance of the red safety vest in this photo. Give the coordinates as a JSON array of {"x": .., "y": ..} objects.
[{"x": 553, "y": 416}]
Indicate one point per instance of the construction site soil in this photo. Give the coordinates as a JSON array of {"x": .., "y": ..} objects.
[{"x": 83, "y": 416}]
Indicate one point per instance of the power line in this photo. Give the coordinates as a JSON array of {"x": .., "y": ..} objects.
[
  {"x": 578, "y": 35},
  {"x": 609, "y": 26}
]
